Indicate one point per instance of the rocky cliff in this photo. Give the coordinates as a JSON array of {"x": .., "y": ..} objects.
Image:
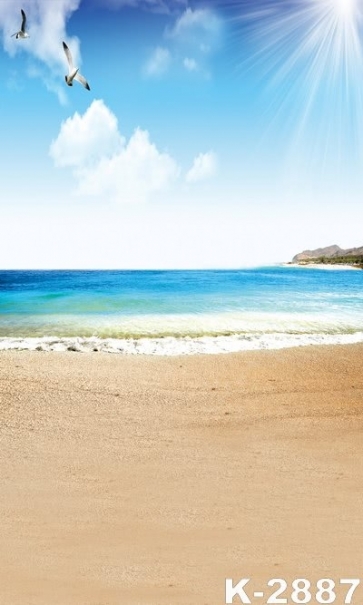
[{"x": 330, "y": 252}]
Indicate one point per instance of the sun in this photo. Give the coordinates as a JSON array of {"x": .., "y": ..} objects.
[
  {"x": 345, "y": 9},
  {"x": 309, "y": 57}
]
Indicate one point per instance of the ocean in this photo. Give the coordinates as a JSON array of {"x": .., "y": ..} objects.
[{"x": 180, "y": 312}]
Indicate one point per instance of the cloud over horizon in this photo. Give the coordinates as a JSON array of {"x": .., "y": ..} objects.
[{"x": 104, "y": 163}]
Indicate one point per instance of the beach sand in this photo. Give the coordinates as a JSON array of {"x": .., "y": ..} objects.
[
  {"x": 148, "y": 481},
  {"x": 327, "y": 266}
]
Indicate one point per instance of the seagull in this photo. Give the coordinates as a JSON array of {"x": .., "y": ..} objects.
[
  {"x": 22, "y": 33},
  {"x": 73, "y": 73}
]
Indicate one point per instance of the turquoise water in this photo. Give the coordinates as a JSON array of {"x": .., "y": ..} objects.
[{"x": 250, "y": 308}]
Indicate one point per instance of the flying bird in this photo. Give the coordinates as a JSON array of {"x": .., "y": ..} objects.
[
  {"x": 22, "y": 33},
  {"x": 73, "y": 73}
]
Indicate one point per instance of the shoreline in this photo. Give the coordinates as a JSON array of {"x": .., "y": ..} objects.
[
  {"x": 148, "y": 480},
  {"x": 328, "y": 266},
  {"x": 170, "y": 346}
]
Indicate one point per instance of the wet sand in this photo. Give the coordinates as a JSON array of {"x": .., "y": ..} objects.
[{"x": 148, "y": 481}]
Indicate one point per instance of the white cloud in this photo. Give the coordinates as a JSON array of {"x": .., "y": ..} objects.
[
  {"x": 159, "y": 62},
  {"x": 133, "y": 174},
  {"x": 105, "y": 164},
  {"x": 46, "y": 25},
  {"x": 190, "y": 64},
  {"x": 204, "y": 166},
  {"x": 195, "y": 23},
  {"x": 195, "y": 33},
  {"x": 85, "y": 140},
  {"x": 158, "y": 6}
]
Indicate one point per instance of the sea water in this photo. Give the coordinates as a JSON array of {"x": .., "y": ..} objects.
[{"x": 180, "y": 312}]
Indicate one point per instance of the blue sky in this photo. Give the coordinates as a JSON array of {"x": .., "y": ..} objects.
[{"x": 214, "y": 134}]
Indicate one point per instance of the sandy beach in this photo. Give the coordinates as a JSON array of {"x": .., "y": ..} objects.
[
  {"x": 327, "y": 266},
  {"x": 148, "y": 481}
]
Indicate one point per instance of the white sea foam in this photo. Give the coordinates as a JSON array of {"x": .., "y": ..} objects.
[{"x": 171, "y": 346}]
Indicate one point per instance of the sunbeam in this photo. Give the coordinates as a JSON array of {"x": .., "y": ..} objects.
[{"x": 309, "y": 54}]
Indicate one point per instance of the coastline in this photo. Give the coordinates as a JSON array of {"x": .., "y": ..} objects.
[
  {"x": 182, "y": 345},
  {"x": 146, "y": 480},
  {"x": 327, "y": 266}
]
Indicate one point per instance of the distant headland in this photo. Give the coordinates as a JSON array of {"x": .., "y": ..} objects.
[{"x": 331, "y": 255}]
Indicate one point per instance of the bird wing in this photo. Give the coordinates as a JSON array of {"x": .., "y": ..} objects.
[
  {"x": 82, "y": 80},
  {"x": 23, "y": 23},
  {"x": 68, "y": 55}
]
